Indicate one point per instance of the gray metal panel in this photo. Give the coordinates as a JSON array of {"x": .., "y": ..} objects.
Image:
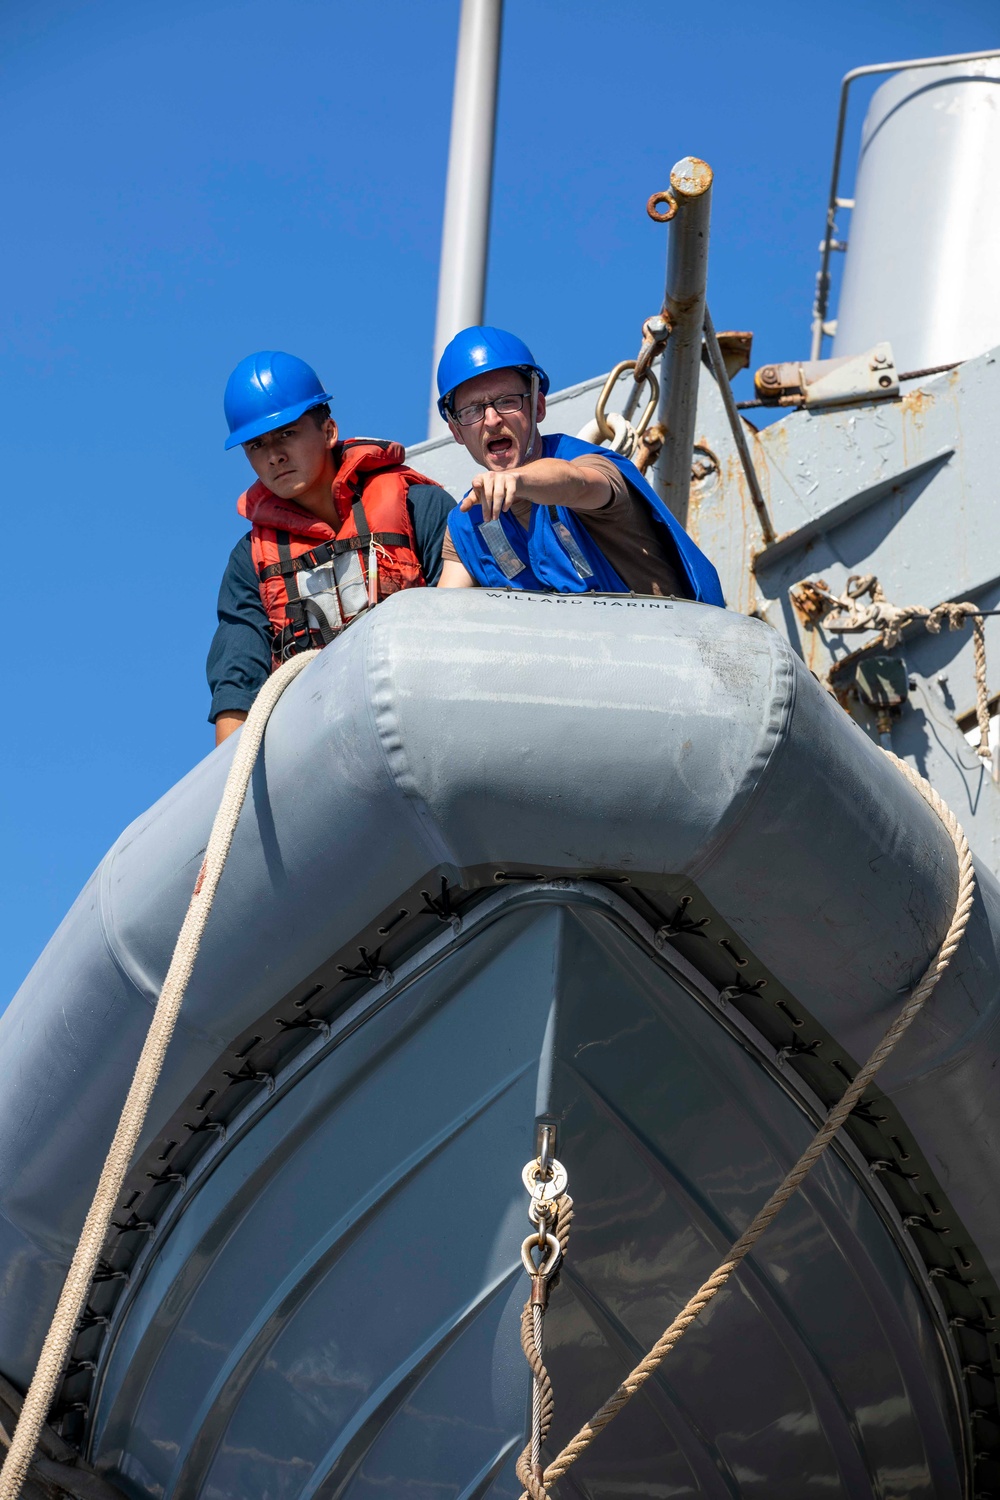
[
  {"x": 924, "y": 236},
  {"x": 903, "y": 489}
]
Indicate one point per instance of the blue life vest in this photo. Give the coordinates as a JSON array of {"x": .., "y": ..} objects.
[{"x": 557, "y": 554}]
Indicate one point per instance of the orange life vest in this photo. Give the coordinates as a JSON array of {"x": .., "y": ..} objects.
[{"x": 313, "y": 579}]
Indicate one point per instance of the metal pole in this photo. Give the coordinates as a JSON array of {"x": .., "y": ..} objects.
[
  {"x": 684, "y": 306},
  {"x": 465, "y": 240},
  {"x": 718, "y": 365}
]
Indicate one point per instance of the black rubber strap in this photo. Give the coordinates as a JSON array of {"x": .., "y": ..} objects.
[
  {"x": 289, "y": 642},
  {"x": 383, "y": 538},
  {"x": 322, "y": 554},
  {"x": 289, "y": 565},
  {"x": 285, "y": 564},
  {"x": 295, "y": 608},
  {"x": 361, "y": 523}
]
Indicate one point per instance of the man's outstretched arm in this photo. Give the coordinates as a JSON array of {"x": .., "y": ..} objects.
[{"x": 546, "y": 481}]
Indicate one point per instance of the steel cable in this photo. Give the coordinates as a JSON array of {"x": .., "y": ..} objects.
[{"x": 542, "y": 1396}]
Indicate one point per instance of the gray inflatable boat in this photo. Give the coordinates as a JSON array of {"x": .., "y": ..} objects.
[{"x": 616, "y": 864}]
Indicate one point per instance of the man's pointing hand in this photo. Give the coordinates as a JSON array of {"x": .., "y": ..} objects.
[{"x": 496, "y": 492}]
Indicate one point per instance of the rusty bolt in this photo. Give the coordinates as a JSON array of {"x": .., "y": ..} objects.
[
  {"x": 649, "y": 447},
  {"x": 808, "y": 599},
  {"x": 704, "y": 465},
  {"x": 768, "y": 376}
]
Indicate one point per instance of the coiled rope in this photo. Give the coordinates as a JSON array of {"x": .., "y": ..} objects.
[
  {"x": 72, "y": 1300},
  {"x": 578, "y": 1445},
  {"x": 846, "y": 612}
]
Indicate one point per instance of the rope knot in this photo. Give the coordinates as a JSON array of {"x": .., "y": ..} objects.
[{"x": 845, "y": 612}]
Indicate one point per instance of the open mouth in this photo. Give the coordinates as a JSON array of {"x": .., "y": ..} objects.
[{"x": 500, "y": 447}]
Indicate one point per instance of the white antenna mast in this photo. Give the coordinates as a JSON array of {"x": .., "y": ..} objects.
[{"x": 465, "y": 241}]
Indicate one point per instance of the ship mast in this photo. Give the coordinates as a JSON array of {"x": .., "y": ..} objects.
[{"x": 465, "y": 240}]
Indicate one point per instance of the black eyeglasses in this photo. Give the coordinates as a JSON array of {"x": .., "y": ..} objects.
[{"x": 469, "y": 416}]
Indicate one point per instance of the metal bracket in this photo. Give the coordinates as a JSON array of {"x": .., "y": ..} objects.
[{"x": 829, "y": 382}]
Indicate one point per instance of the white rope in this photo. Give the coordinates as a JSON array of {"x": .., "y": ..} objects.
[{"x": 79, "y": 1277}]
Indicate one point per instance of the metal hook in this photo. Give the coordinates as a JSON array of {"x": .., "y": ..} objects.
[{"x": 648, "y": 378}]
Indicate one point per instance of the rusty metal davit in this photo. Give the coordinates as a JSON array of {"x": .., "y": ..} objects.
[{"x": 684, "y": 305}]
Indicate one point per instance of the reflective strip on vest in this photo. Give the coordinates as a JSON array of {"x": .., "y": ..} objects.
[
  {"x": 573, "y": 552},
  {"x": 502, "y": 552}
]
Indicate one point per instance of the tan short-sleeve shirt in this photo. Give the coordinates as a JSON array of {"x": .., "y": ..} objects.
[{"x": 637, "y": 547}]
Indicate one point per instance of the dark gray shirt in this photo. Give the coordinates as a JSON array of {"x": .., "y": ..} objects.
[{"x": 239, "y": 659}]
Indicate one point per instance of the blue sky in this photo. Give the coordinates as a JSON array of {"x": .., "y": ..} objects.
[{"x": 184, "y": 184}]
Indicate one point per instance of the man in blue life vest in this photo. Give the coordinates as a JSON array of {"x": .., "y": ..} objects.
[
  {"x": 550, "y": 514},
  {"x": 336, "y": 525}
]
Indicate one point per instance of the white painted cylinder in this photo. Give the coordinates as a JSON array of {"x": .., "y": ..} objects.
[{"x": 923, "y": 264}]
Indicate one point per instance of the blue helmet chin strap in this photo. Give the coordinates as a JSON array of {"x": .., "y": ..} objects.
[{"x": 533, "y": 431}]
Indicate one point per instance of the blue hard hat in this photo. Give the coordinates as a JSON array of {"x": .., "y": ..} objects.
[
  {"x": 267, "y": 390},
  {"x": 474, "y": 351}
]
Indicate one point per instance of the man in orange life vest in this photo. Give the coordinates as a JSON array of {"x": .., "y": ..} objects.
[{"x": 336, "y": 526}]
